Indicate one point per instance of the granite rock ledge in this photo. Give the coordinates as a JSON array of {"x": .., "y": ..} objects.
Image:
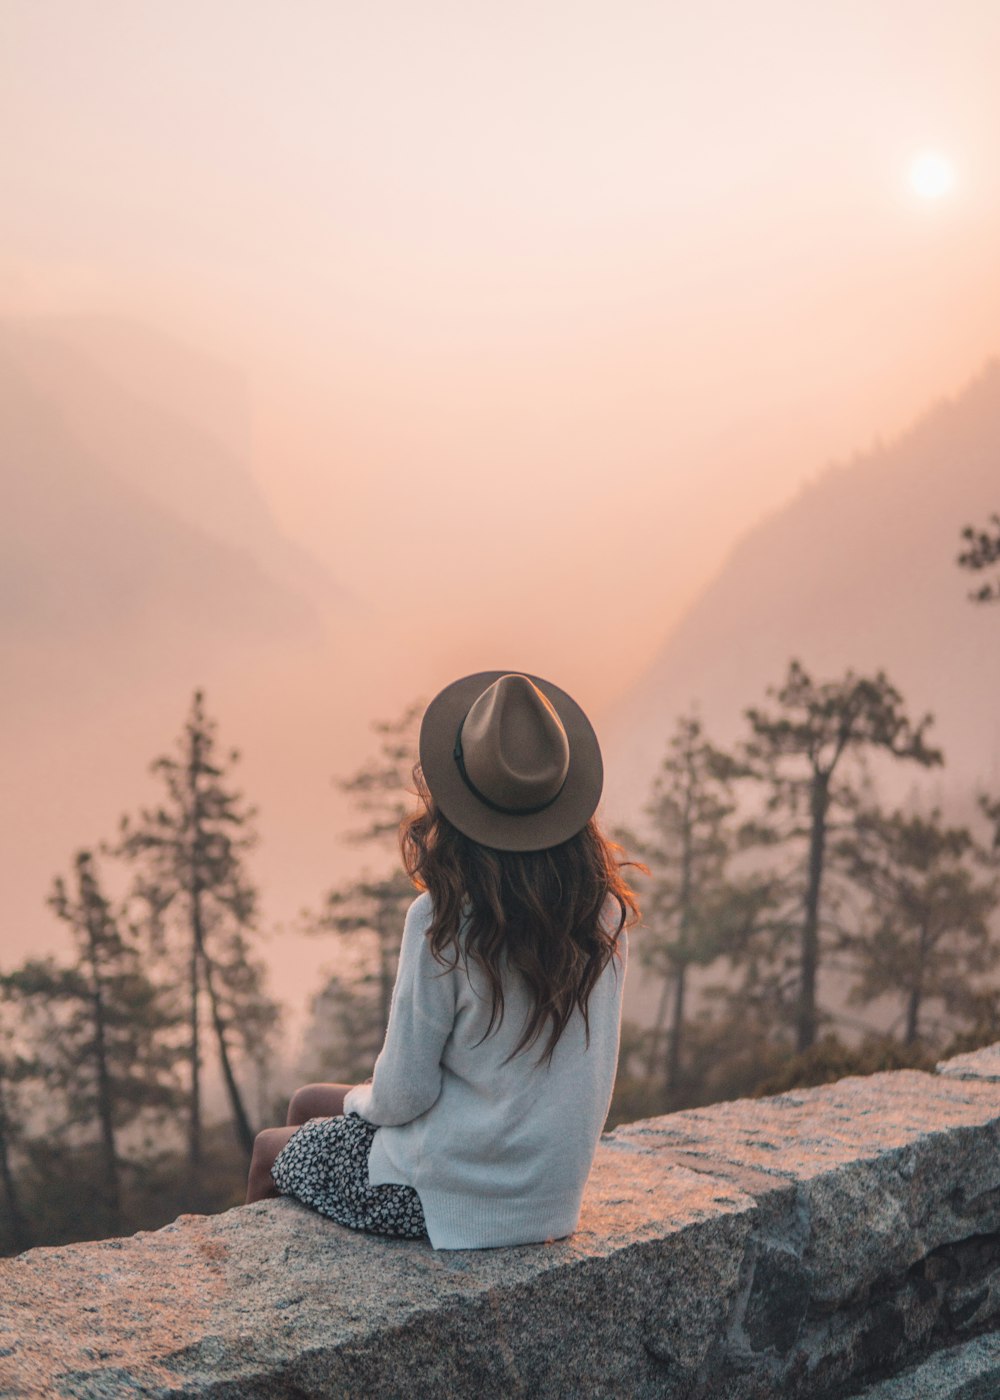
[{"x": 816, "y": 1245}]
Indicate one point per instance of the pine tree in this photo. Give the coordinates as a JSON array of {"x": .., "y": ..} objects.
[
  {"x": 806, "y": 754},
  {"x": 688, "y": 901},
  {"x": 351, "y": 1012},
  {"x": 928, "y": 928},
  {"x": 202, "y": 907},
  {"x": 110, "y": 1058},
  {"x": 242, "y": 1008},
  {"x": 368, "y": 915}
]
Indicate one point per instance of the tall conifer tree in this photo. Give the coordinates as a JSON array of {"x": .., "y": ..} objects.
[
  {"x": 806, "y": 753},
  {"x": 203, "y": 907},
  {"x": 104, "y": 1025},
  {"x": 351, "y": 1011},
  {"x": 687, "y": 899}
]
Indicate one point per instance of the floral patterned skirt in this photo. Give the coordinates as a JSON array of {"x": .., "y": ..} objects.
[{"x": 325, "y": 1165}]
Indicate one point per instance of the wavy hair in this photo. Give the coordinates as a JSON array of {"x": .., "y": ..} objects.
[{"x": 538, "y": 911}]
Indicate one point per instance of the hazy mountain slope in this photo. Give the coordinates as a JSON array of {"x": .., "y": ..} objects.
[
  {"x": 86, "y": 560},
  {"x": 171, "y": 423},
  {"x": 149, "y": 363},
  {"x": 858, "y": 570}
]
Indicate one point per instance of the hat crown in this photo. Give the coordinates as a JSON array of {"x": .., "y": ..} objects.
[{"x": 514, "y": 748}]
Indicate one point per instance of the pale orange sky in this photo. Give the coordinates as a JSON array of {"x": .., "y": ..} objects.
[
  {"x": 583, "y": 288},
  {"x": 539, "y": 305}
]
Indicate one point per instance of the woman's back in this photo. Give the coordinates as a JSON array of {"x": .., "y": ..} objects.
[{"x": 498, "y": 1152}]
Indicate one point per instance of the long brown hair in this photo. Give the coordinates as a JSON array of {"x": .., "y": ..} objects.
[{"x": 538, "y": 910}]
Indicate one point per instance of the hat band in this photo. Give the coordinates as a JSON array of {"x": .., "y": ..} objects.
[{"x": 496, "y": 807}]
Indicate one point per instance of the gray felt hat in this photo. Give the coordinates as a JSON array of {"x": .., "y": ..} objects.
[{"x": 511, "y": 760}]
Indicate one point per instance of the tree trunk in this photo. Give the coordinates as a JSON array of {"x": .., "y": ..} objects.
[
  {"x": 197, "y": 933},
  {"x": 915, "y": 998},
  {"x": 676, "y": 1029},
  {"x": 653, "y": 1059},
  {"x": 241, "y": 1122},
  {"x": 105, "y": 1105},
  {"x": 194, "y": 1124},
  {"x": 683, "y": 927},
  {"x": 806, "y": 1027}
]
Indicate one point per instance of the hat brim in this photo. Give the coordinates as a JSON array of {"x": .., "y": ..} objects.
[{"x": 569, "y": 813}]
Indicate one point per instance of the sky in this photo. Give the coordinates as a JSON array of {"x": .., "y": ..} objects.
[{"x": 547, "y": 302}]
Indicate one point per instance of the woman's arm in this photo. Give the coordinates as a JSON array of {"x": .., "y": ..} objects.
[{"x": 407, "y": 1076}]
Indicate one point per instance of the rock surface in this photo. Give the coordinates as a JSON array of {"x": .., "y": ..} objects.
[
  {"x": 977, "y": 1064},
  {"x": 970, "y": 1371},
  {"x": 805, "y": 1245}
]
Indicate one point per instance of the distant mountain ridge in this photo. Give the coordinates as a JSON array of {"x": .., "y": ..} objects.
[
  {"x": 133, "y": 539},
  {"x": 858, "y": 570},
  {"x": 167, "y": 421}
]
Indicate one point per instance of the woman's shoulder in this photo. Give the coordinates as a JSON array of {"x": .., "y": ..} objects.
[
  {"x": 611, "y": 914},
  {"x": 421, "y": 906},
  {"x": 419, "y": 914},
  {"x": 421, "y": 910}
]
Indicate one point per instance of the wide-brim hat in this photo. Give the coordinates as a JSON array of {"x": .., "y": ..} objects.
[{"x": 511, "y": 760}]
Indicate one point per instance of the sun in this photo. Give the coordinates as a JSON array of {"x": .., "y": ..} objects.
[{"x": 932, "y": 175}]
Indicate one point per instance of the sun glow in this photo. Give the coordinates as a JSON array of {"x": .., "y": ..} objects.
[{"x": 932, "y": 175}]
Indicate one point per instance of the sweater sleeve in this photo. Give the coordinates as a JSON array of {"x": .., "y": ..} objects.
[{"x": 407, "y": 1076}]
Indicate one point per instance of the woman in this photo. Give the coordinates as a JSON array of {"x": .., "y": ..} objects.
[{"x": 517, "y": 942}]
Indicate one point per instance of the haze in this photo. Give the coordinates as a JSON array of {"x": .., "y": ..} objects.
[
  {"x": 584, "y": 287},
  {"x": 529, "y": 310}
]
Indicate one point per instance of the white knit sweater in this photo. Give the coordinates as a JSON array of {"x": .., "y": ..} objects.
[{"x": 499, "y": 1154}]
